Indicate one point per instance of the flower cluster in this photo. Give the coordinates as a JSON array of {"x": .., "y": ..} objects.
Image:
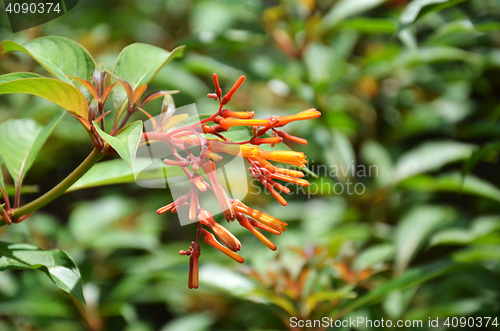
[{"x": 208, "y": 136}]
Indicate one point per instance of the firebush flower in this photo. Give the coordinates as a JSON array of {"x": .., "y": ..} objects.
[{"x": 201, "y": 171}]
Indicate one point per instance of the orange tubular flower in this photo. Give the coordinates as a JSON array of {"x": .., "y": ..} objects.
[
  {"x": 304, "y": 115},
  {"x": 289, "y": 172},
  {"x": 270, "y": 140},
  {"x": 235, "y": 87},
  {"x": 294, "y": 180},
  {"x": 226, "y": 123},
  {"x": 194, "y": 259},
  {"x": 208, "y": 135},
  {"x": 245, "y": 115},
  {"x": 233, "y": 149},
  {"x": 224, "y": 235},
  {"x": 265, "y": 164},
  {"x": 220, "y": 194},
  {"x": 261, "y": 217},
  {"x": 218, "y": 90},
  {"x": 290, "y": 157},
  {"x": 246, "y": 223},
  {"x": 280, "y": 187},
  {"x": 199, "y": 182},
  {"x": 275, "y": 194},
  {"x": 206, "y": 153},
  {"x": 210, "y": 239},
  {"x": 285, "y": 135}
]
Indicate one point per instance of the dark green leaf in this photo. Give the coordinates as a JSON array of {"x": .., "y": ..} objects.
[
  {"x": 60, "y": 268},
  {"x": 479, "y": 155}
]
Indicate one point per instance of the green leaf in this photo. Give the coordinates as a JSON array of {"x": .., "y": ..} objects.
[
  {"x": 137, "y": 64},
  {"x": 57, "y": 264},
  {"x": 480, "y": 229},
  {"x": 370, "y": 25},
  {"x": 20, "y": 143},
  {"x": 193, "y": 322},
  {"x": 479, "y": 155},
  {"x": 410, "y": 278},
  {"x": 414, "y": 228},
  {"x": 347, "y": 8},
  {"x": 453, "y": 182},
  {"x": 125, "y": 142},
  {"x": 62, "y": 94},
  {"x": 373, "y": 256},
  {"x": 118, "y": 172},
  {"x": 59, "y": 56},
  {"x": 376, "y": 155},
  {"x": 416, "y": 9},
  {"x": 478, "y": 254},
  {"x": 430, "y": 156},
  {"x": 1, "y": 174},
  {"x": 11, "y": 190},
  {"x": 325, "y": 64}
]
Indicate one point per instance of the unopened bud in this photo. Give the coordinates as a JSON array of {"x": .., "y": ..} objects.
[
  {"x": 100, "y": 78},
  {"x": 93, "y": 109}
]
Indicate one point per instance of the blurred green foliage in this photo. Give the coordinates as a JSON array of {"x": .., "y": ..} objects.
[{"x": 409, "y": 87}]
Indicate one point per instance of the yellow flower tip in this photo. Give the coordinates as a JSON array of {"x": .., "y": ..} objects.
[
  {"x": 290, "y": 157},
  {"x": 233, "y": 149},
  {"x": 206, "y": 153},
  {"x": 304, "y": 115},
  {"x": 261, "y": 217},
  {"x": 289, "y": 172}
]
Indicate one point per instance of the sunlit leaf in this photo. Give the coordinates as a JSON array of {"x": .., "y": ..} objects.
[
  {"x": 59, "y": 56},
  {"x": 414, "y": 228},
  {"x": 62, "y": 94},
  {"x": 373, "y": 256},
  {"x": 20, "y": 143},
  {"x": 416, "y": 9},
  {"x": 430, "y": 156},
  {"x": 347, "y": 8},
  {"x": 453, "y": 182},
  {"x": 137, "y": 64},
  {"x": 60, "y": 268},
  {"x": 480, "y": 229}
]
